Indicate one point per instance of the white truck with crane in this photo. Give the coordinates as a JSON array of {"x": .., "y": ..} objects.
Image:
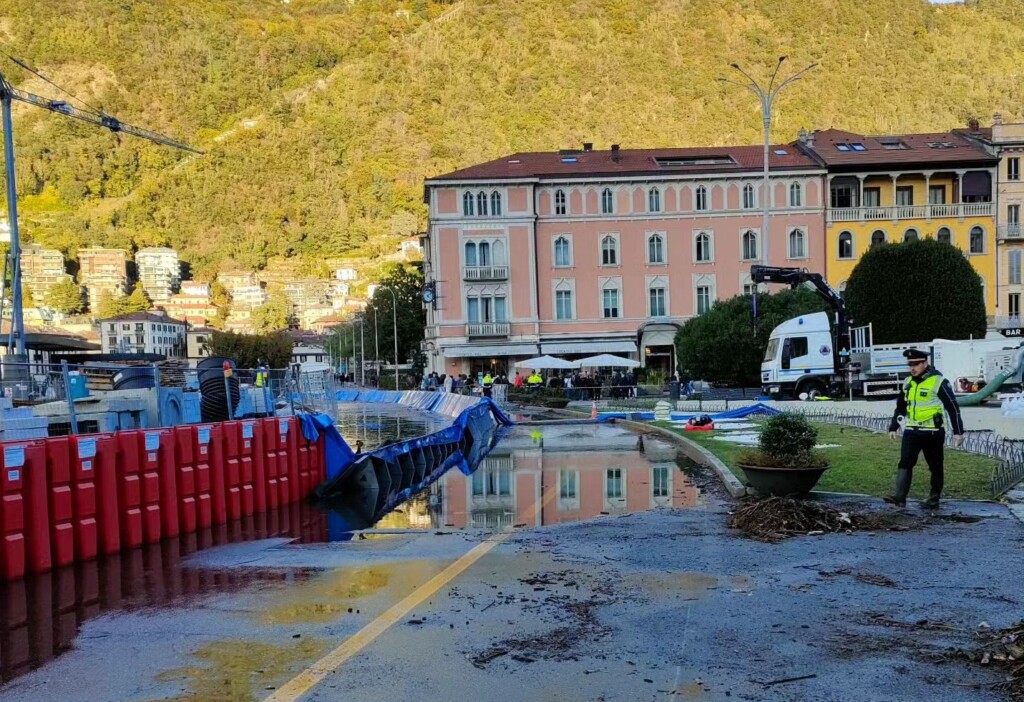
[{"x": 809, "y": 357}]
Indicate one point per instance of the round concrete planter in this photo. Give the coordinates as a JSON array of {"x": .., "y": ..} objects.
[{"x": 782, "y": 481}]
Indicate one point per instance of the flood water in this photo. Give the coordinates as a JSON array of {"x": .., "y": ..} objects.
[
  {"x": 572, "y": 472},
  {"x": 376, "y": 424}
]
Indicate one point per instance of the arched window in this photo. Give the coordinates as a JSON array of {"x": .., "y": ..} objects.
[
  {"x": 749, "y": 246},
  {"x": 748, "y": 197},
  {"x": 607, "y": 201},
  {"x": 498, "y": 253},
  {"x": 655, "y": 249},
  {"x": 797, "y": 248},
  {"x": 609, "y": 251},
  {"x": 495, "y": 203},
  {"x": 559, "y": 202},
  {"x": 700, "y": 198},
  {"x": 910, "y": 235},
  {"x": 654, "y": 200},
  {"x": 470, "y": 253},
  {"x": 944, "y": 235},
  {"x": 481, "y": 203},
  {"x": 796, "y": 195},
  {"x": 977, "y": 240},
  {"x": 563, "y": 252},
  {"x": 877, "y": 237},
  {"x": 845, "y": 245},
  {"x": 484, "y": 253},
  {"x": 467, "y": 204},
  {"x": 702, "y": 247}
]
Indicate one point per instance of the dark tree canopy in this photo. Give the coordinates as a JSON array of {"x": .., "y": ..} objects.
[
  {"x": 248, "y": 350},
  {"x": 916, "y": 291},
  {"x": 722, "y": 346}
]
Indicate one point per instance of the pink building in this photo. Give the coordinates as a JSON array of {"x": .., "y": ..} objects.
[{"x": 576, "y": 253}]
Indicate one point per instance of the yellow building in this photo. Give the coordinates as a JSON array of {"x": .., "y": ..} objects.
[{"x": 899, "y": 188}]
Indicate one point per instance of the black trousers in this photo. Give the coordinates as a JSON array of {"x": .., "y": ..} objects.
[{"x": 915, "y": 442}]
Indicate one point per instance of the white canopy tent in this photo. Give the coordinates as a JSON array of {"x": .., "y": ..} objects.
[
  {"x": 606, "y": 360},
  {"x": 546, "y": 363}
]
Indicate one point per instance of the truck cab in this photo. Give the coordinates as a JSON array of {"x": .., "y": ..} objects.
[{"x": 799, "y": 357}]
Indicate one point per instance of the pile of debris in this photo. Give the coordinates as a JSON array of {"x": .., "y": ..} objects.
[
  {"x": 773, "y": 519},
  {"x": 1002, "y": 649}
]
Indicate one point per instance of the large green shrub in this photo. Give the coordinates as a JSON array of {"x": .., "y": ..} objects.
[
  {"x": 786, "y": 440},
  {"x": 916, "y": 291}
]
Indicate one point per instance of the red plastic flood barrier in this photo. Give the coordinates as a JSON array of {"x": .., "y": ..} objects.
[
  {"x": 35, "y": 491},
  {"x": 83, "y": 493},
  {"x": 245, "y": 433},
  {"x": 214, "y": 457},
  {"x": 188, "y": 510},
  {"x": 288, "y": 454},
  {"x": 108, "y": 515},
  {"x": 149, "y": 480},
  {"x": 12, "y": 514},
  {"x": 129, "y": 487},
  {"x": 158, "y": 460},
  {"x": 259, "y": 471},
  {"x": 270, "y": 440},
  {"x": 231, "y": 449},
  {"x": 202, "y": 456},
  {"x": 62, "y": 513}
]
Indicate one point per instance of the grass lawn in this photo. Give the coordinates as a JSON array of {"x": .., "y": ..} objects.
[{"x": 865, "y": 462}]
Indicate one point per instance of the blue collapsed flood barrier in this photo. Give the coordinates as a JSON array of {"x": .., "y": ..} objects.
[
  {"x": 361, "y": 488},
  {"x": 738, "y": 413}
]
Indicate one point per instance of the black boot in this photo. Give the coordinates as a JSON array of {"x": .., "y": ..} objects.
[
  {"x": 899, "y": 498},
  {"x": 931, "y": 503}
]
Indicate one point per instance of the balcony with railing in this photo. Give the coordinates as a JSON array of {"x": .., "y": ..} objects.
[
  {"x": 1010, "y": 231},
  {"x": 485, "y": 273},
  {"x": 483, "y": 329},
  {"x": 1009, "y": 322},
  {"x": 895, "y": 214}
]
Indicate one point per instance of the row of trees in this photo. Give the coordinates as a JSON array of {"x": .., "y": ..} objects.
[{"x": 908, "y": 292}]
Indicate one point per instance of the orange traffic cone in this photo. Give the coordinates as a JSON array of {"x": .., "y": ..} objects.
[{"x": 593, "y": 410}]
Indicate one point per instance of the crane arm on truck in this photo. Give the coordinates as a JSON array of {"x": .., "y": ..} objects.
[{"x": 797, "y": 277}]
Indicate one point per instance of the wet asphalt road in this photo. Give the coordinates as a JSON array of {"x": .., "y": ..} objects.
[{"x": 662, "y": 605}]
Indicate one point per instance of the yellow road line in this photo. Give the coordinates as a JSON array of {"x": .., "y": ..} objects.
[{"x": 314, "y": 674}]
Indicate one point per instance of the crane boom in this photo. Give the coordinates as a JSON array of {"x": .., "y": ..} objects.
[
  {"x": 112, "y": 123},
  {"x": 8, "y": 94}
]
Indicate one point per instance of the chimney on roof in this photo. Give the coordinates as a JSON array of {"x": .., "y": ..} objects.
[
  {"x": 588, "y": 146},
  {"x": 806, "y": 138},
  {"x": 615, "y": 153},
  {"x": 997, "y": 119},
  {"x": 973, "y": 125}
]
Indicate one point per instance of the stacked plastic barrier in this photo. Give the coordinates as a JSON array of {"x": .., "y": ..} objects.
[
  {"x": 395, "y": 472},
  {"x": 68, "y": 499}
]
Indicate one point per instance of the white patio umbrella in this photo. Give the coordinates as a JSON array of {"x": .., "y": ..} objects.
[
  {"x": 546, "y": 363},
  {"x": 606, "y": 360}
]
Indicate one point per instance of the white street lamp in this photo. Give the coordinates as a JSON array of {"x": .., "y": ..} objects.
[{"x": 767, "y": 97}]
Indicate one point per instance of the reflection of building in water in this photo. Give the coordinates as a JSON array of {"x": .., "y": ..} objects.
[{"x": 572, "y": 477}]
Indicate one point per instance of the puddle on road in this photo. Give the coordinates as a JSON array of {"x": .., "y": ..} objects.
[
  {"x": 574, "y": 471},
  {"x": 359, "y": 590},
  {"x": 238, "y": 671},
  {"x": 40, "y": 616},
  {"x": 690, "y": 585}
]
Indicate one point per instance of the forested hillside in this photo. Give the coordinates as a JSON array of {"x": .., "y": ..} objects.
[{"x": 320, "y": 118}]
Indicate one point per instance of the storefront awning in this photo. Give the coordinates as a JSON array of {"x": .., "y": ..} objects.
[
  {"x": 492, "y": 350},
  {"x": 589, "y": 347}
]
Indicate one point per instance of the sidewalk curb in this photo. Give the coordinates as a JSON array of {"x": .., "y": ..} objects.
[{"x": 696, "y": 453}]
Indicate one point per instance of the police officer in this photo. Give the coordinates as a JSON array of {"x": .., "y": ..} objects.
[{"x": 925, "y": 394}]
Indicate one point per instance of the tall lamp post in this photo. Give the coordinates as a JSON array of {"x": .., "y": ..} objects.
[
  {"x": 362, "y": 355},
  {"x": 394, "y": 320},
  {"x": 767, "y": 97}
]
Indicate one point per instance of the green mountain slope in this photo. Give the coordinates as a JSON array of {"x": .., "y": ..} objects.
[{"x": 321, "y": 118}]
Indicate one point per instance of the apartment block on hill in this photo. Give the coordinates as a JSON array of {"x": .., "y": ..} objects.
[
  {"x": 102, "y": 270},
  {"x": 143, "y": 332},
  {"x": 41, "y": 269},
  {"x": 159, "y": 272}
]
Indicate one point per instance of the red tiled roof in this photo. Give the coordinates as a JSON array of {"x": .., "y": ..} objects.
[
  {"x": 917, "y": 149},
  {"x": 553, "y": 164}
]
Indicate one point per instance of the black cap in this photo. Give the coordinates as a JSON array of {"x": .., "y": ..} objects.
[{"x": 915, "y": 355}]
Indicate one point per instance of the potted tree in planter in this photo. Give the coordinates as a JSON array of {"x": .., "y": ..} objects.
[{"x": 785, "y": 462}]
